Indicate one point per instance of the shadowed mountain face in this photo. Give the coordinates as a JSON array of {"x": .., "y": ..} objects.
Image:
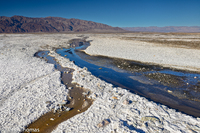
[
  {"x": 20, "y": 24},
  {"x": 164, "y": 29}
]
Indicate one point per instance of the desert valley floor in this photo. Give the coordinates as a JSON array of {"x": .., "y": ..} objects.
[{"x": 30, "y": 87}]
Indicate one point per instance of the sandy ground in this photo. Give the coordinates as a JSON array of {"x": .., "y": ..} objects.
[{"x": 26, "y": 83}]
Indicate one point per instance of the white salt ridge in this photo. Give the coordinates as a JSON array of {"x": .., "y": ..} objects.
[{"x": 181, "y": 58}]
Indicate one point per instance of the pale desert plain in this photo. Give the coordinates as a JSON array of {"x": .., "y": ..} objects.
[{"x": 27, "y": 82}]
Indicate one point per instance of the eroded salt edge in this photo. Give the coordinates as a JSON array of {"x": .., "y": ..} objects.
[{"x": 140, "y": 115}]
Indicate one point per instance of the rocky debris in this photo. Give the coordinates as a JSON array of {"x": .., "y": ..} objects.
[
  {"x": 63, "y": 102},
  {"x": 150, "y": 118},
  {"x": 126, "y": 102},
  {"x": 70, "y": 97},
  {"x": 70, "y": 88},
  {"x": 48, "y": 102},
  {"x": 73, "y": 102},
  {"x": 52, "y": 119},
  {"x": 85, "y": 104},
  {"x": 60, "y": 106},
  {"x": 103, "y": 123},
  {"x": 169, "y": 91},
  {"x": 67, "y": 108},
  {"x": 113, "y": 106},
  {"x": 93, "y": 96},
  {"x": 86, "y": 93},
  {"x": 85, "y": 68},
  {"x": 66, "y": 71},
  {"x": 167, "y": 79}
]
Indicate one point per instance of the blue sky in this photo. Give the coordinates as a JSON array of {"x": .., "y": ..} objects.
[{"x": 121, "y": 13}]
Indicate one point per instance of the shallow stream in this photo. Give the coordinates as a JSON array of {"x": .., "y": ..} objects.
[
  {"x": 76, "y": 101},
  {"x": 177, "y": 89}
]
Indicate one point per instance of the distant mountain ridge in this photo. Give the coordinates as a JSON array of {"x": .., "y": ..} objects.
[
  {"x": 164, "y": 29},
  {"x": 20, "y": 24}
]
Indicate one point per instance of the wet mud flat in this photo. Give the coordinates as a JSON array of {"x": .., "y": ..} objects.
[
  {"x": 77, "y": 101},
  {"x": 175, "y": 88}
]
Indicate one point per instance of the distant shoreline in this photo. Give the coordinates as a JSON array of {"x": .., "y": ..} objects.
[{"x": 166, "y": 29}]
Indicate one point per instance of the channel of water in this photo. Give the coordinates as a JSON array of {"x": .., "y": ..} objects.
[
  {"x": 77, "y": 102},
  {"x": 175, "y": 88}
]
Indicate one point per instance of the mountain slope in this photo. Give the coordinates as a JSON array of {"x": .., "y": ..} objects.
[{"x": 20, "y": 24}]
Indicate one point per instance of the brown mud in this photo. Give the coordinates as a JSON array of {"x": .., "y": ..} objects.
[{"x": 77, "y": 102}]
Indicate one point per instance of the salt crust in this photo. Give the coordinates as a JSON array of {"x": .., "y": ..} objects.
[
  {"x": 137, "y": 50},
  {"x": 26, "y": 83},
  {"x": 140, "y": 115}
]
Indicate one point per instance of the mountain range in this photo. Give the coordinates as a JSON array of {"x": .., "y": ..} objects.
[{"x": 21, "y": 24}]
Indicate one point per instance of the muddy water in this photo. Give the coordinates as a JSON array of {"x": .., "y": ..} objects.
[
  {"x": 177, "y": 89},
  {"x": 76, "y": 101}
]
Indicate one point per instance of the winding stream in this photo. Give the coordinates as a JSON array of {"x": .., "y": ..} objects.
[
  {"x": 177, "y": 89},
  {"x": 76, "y": 102}
]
